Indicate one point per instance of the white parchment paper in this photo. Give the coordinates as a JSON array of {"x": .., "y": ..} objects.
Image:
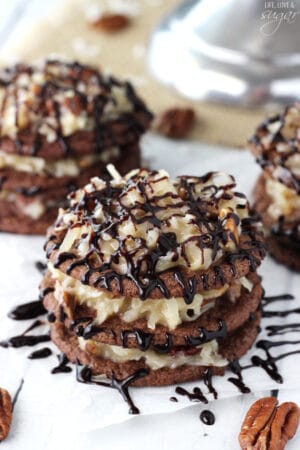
[{"x": 48, "y": 403}]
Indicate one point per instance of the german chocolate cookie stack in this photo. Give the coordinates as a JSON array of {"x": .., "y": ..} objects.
[
  {"x": 276, "y": 145},
  {"x": 149, "y": 273},
  {"x": 60, "y": 124}
]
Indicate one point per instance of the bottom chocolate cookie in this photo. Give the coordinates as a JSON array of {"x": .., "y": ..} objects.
[
  {"x": 13, "y": 220},
  {"x": 284, "y": 251},
  {"x": 86, "y": 353}
]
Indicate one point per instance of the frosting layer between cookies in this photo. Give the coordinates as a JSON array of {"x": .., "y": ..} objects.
[
  {"x": 57, "y": 168},
  {"x": 205, "y": 355},
  {"x": 284, "y": 201},
  {"x": 169, "y": 312}
]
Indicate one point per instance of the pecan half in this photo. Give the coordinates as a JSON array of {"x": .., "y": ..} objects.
[
  {"x": 268, "y": 427},
  {"x": 174, "y": 122},
  {"x": 5, "y": 413},
  {"x": 111, "y": 23},
  {"x": 284, "y": 425}
]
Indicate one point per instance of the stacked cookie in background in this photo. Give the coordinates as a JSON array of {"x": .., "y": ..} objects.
[
  {"x": 60, "y": 124},
  {"x": 276, "y": 145},
  {"x": 153, "y": 276}
]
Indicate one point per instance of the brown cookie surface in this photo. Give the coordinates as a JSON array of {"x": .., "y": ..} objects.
[
  {"x": 13, "y": 220},
  {"x": 234, "y": 265},
  {"x": 223, "y": 318},
  {"x": 235, "y": 346}
]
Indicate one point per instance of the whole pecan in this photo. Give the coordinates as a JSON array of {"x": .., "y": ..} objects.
[
  {"x": 174, "y": 122},
  {"x": 268, "y": 427},
  {"x": 111, "y": 23},
  {"x": 5, "y": 413}
]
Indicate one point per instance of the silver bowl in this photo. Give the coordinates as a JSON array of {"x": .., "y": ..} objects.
[{"x": 242, "y": 52}]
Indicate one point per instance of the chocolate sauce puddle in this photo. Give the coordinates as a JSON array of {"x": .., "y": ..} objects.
[
  {"x": 84, "y": 375},
  {"x": 207, "y": 417}
]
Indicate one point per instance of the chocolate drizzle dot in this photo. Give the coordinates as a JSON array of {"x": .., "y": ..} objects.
[{"x": 207, "y": 417}]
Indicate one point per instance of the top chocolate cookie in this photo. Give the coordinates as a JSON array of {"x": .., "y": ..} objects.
[
  {"x": 276, "y": 144},
  {"x": 58, "y": 109},
  {"x": 148, "y": 236}
]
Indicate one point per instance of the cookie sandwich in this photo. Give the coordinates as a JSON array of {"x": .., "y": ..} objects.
[
  {"x": 61, "y": 124},
  {"x": 150, "y": 274},
  {"x": 276, "y": 146}
]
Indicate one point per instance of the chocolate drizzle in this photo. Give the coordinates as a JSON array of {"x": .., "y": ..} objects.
[
  {"x": 17, "y": 393},
  {"x": 24, "y": 339},
  {"x": 41, "y": 267},
  {"x": 206, "y": 335},
  {"x": 143, "y": 339},
  {"x": 274, "y": 155},
  {"x": 207, "y": 417},
  {"x": 41, "y": 353},
  {"x": 238, "y": 381},
  {"x": 207, "y": 378},
  {"x": 27, "y": 311},
  {"x": 140, "y": 262},
  {"x": 62, "y": 365},
  {"x": 268, "y": 363},
  {"x": 195, "y": 396},
  {"x": 84, "y": 375}
]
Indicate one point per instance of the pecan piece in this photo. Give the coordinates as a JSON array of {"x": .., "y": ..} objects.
[
  {"x": 111, "y": 23},
  {"x": 257, "y": 418},
  {"x": 268, "y": 427},
  {"x": 5, "y": 413},
  {"x": 175, "y": 122},
  {"x": 284, "y": 425}
]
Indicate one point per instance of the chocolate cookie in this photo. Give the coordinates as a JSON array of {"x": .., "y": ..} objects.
[
  {"x": 151, "y": 273},
  {"x": 69, "y": 122},
  {"x": 277, "y": 192},
  {"x": 67, "y": 109},
  {"x": 224, "y": 317},
  {"x": 201, "y": 260},
  {"x": 233, "y": 347}
]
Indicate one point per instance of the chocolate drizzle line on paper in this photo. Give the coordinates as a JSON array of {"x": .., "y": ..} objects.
[
  {"x": 62, "y": 365},
  {"x": 41, "y": 353},
  {"x": 25, "y": 339},
  {"x": 17, "y": 393},
  {"x": 30, "y": 310},
  {"x": 84, "y": 375}
]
